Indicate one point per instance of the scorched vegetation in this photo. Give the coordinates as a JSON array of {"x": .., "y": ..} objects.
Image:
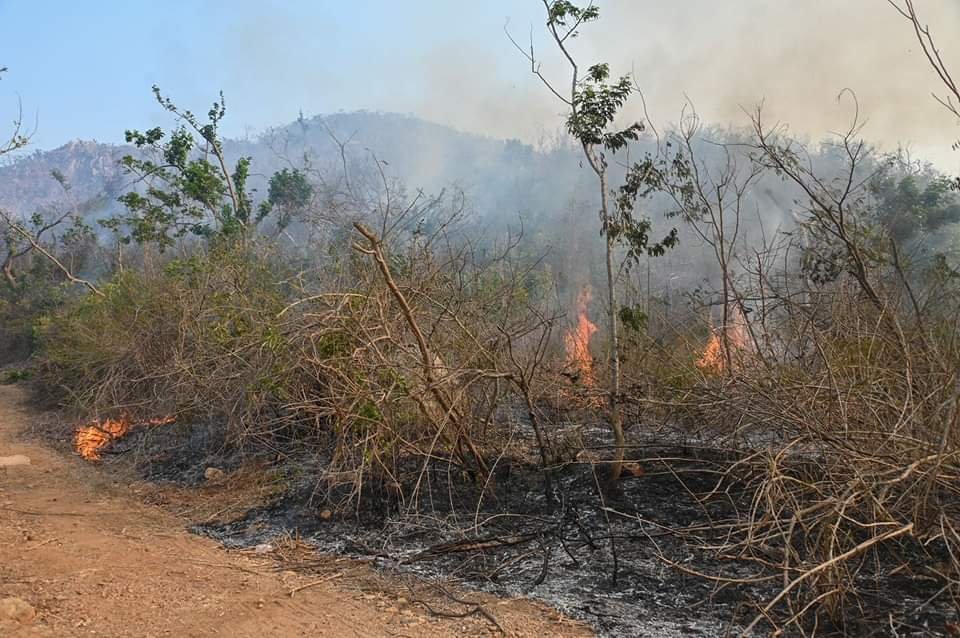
[{"x": 729, "y": 371}]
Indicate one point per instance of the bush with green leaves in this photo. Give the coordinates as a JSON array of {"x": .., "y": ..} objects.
[{"x": 197, "y": 335}]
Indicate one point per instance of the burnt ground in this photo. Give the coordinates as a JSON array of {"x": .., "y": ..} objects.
[{"x": 624, "y": 564}]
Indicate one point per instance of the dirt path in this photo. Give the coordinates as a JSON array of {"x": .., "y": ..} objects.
[{"x": 93, "y": 561}]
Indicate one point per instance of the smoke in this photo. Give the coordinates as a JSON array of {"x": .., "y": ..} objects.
[
  {"x": 726, "y": 58},
  {"x": 796, "y": 57},
  {"x": 451, "y": 63}
]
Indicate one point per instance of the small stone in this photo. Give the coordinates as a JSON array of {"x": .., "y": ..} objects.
[
  {"x": 631, "y": 468},
  {"x": 15, "y": 460},
  {"x": 214, "y": 474},
  {"x": 264, "y": 548},
  {"x": 18, "y": 610}
]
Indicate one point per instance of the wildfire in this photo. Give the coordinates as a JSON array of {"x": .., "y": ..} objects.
[
  {"x": 91, "y": 439},
  {"x": 577, "y": 340},
  {"x": 714, "y": 359}
]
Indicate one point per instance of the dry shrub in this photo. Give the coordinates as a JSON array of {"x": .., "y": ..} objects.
[
  {"x": 418, "y": 358},
  {"x": 197, "y": 337},
  {"x": 845, "y": 443},
  {"x": 325, "y": 356}
]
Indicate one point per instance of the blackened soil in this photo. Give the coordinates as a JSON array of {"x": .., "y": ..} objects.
[{"x": 626, "y": 563}]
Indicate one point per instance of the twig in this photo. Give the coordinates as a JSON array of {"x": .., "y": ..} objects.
[
  {"x": 862, "y": 547},
  {"x": 325, "y": 579}
]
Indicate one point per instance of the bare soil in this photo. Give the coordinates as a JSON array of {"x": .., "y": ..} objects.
[{"x": 94, "y": 558}]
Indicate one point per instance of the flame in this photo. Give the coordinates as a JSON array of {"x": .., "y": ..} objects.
[
  {"x": 577, "y": 340},
  {"x": 714, "y": 359},
  {"x": 92, "y": 438}
]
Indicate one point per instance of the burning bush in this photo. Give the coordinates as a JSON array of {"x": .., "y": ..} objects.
[{"x": 89, "y": 440}]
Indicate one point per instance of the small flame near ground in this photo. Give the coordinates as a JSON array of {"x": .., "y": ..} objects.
[
  {"x": 714, "y": 359},
  {"x": 90, "y": 439},
  {"x": 577, "y": 340}
]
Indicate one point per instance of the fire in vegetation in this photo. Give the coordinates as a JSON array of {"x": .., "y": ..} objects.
[
  {"x": 715, "y": 358},
  {"x": 577, "y": 340},
  {"x": 91, "y": 438}
]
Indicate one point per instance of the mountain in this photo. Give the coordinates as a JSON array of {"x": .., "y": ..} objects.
[
  {"x": 503, "y": 178},
  {"x": 91, "y": 169}
]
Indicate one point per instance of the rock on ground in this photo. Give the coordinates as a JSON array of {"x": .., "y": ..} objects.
[{"x": 17, "y": 610}]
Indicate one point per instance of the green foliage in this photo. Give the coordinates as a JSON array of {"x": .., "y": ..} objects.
[
  {"x": 908, "y": 206},
  {"x": 188, "y": 188},
  {"x": 642, "y": 179},
  {"x": 289, "y": 194},
  {"x": 915, "y": 212},
  {"x": 202, "y": 327},
  {"x": 14, "y": 376},
  {"x": 568, "y": 15},
  {"x": 40, "y": 288},
  {"x": 633, "y": 318},
  {"x": 595, "y": 105}
]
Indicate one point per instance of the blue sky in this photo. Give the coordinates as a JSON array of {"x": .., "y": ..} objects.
[{"x": 85, "y": 68}]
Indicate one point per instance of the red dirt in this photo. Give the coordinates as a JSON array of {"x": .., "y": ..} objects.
[{"x": 94, "y": 560}]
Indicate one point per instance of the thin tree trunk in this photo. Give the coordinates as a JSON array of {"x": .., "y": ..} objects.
[
  {"x": 616, "y": 418},
  {"x": 725, "y": 329},
  {"x": 8, "y": 273}
]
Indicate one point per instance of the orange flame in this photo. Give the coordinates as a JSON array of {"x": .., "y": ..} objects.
[
  {"x": 577, "y": 341},
  {"x": 714, "y": 358},
  {"x": 92, "y": 438}
]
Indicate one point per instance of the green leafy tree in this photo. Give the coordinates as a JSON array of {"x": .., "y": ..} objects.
[
  {"x": 908, "y": 206},
  {"x": 288, "y": 196},
  {"x": 188, "y": 187}
]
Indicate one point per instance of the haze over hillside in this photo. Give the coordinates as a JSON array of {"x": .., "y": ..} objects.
[
  {"x": 451, "y": 63},
  {"x": 498, "y": 176}
]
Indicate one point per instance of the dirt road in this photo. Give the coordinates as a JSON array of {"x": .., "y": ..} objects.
[{"x": 92, "y": 560}]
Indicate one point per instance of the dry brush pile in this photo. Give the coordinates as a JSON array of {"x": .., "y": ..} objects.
[{"x": 400, "y": 350}]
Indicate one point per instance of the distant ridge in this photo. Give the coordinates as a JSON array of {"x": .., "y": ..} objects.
[{"x": 498, "y": 175}]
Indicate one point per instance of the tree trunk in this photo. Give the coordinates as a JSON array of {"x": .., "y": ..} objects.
[
  {"x": 8, "y": 273},
  {"x": 616, "y": 419}
]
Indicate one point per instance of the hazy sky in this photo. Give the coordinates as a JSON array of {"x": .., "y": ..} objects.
[{"x": 84, "y": 69}]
